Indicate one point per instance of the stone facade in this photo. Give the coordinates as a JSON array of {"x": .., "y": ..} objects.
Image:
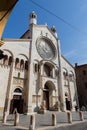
[{"x": 35, "y": 77}]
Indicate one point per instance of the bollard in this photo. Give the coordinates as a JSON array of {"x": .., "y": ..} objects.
[
  {"x": 32, "y": 122},
  {"x": 69, "y": 115},
  {"x": 53, "y": 119},
  {"x": 81, "y": 116},
  {"x": 16, "y": 120},
  {"x": 4, "y": 117}
]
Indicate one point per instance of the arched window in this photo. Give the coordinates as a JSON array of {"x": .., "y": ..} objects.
[
  {"x": 5, "y": 60},
  {"x": 26, "y": 65},
  {"x": 36, "y": 67},
  {"x": 10, "y": 60},
  {"x": 47, "y": 70},
  {"x": 17, "y": 64},
  {"x": 65, "y": 74},
  {"x": 22, "y": 64},
  {"x": 71, "y": 76}
]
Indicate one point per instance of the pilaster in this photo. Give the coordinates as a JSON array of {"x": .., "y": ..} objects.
[{"x": 8, "y": 93}]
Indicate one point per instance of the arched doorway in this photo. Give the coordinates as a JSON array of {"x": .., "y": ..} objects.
[
  {"x": 49, "y": 87},
  {"x": 46, "y": 96},
  {"x": 17, "y": 101},
  {"x": 67, "y": 101}
]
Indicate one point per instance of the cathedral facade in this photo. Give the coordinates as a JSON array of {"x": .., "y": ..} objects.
[{"x": 34, "y": 76}]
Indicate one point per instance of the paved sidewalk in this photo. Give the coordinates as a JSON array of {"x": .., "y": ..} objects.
[{"x": 42, "y": 121}]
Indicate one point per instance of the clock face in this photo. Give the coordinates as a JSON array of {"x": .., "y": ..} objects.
[{"x": 45, "y": 49}]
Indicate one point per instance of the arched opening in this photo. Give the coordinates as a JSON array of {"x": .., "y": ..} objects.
[
  {"x": 5, "y": 60},
  {"x": 68, "y": 102},
  {"x": 48, "y": 70},
  {"x": 49, "y": 87},
  {"x": 10, "y": 60},
  {"x": 17, "y": 64},
  {"x": 26, "y": 65},
  {"x": 22, "y": 64},
  {"x": 17, "y": 101}
]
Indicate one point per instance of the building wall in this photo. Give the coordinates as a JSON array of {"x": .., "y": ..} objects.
[
  {"x": 13, "y": 76},
  {"x": 81, "y": 80},
  {"x": 69, "y": 82},
  {"x": 4, "y": 74}
]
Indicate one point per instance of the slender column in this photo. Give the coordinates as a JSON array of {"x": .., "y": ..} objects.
[
  {"x": 29, "y": 81},
  {"x": 29, "y": 91},
  {"x": 60, "y": 81},
  {"x": 77, "y": 100},
  {"x": 69, "y": 90},
  {"x": 53, "y": 72},
  {"x": 42, "y": 69}
]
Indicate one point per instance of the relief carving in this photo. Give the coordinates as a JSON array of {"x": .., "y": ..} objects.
[{"x": 18, "y": 81}]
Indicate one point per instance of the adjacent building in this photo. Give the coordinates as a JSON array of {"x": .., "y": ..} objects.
[
  {"x": 81, "y": 80},
  {"x": 34, "y": 76}
]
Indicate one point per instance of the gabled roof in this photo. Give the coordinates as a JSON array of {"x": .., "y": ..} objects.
[{"x": 26, "y": 35}]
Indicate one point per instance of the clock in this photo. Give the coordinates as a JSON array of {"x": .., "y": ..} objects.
[{"x": 45, "y": 48}]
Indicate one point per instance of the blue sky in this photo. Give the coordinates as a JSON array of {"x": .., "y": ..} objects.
[{"x": 73, "y": 43}]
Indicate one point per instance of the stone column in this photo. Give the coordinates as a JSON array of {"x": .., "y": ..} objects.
[
  {"x": 69, "y": 90},
  {"x": 30, "y": 79},
  {"x": 29, "y": 91},
  {"x": 77, "y": 100},
  {"x": 53, "y": 72},
  {"x": 42, "y": 69},
  {"x": 60, "y": 81}
]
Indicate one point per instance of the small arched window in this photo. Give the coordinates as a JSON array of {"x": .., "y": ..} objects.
[
  {"x": 5, "y": 60},
  {"x": 26, "y": 65},
  {"x": 36, "y": 67},
  {"x": 65, "y": 74},
  {"x": 10, "y": 60},
  {"x": 17, "y": 64},
  {"x": 22, "y": 64},
  {"x": 71, "y": 76}
]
